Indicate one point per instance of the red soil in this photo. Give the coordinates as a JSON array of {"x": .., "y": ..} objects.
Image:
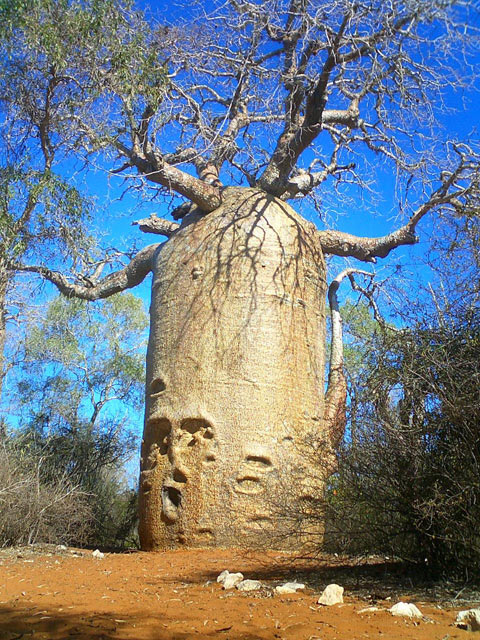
[{"x": 174, "y": 596}]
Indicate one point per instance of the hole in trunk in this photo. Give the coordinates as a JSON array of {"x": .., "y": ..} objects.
[
  {"x": 249, "y": 485},
  {"x": 174, "y": 496},
  {"x": 179, "y": 476},
  {"x": 192, "y": 425},
  {"x": 171, "y": 500},
  {"x": 260, "y": 461},
  {"x": 157, "y": 386}
]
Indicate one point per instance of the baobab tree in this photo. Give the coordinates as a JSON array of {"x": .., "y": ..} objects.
[{"x": 243, "y": 110}]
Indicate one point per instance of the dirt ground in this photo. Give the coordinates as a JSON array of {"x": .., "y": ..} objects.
[{"x": 52, "y": 593}]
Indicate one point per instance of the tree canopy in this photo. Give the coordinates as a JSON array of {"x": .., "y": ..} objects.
[
  {"x": 71, "y": 415},
  {"x": 288, "y": 96}
]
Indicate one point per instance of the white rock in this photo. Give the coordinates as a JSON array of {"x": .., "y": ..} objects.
[
  {"x": 332, "y": 594},
  {"x": 61, "y": 547},
  {"x": 249, "y": 585},
  {"x": 406, "y": 609},
  {"x": 232, "y": 580},
  {"x": 369, "y": 610},
  {"x": 223, "y": 575},
  {"x": 289, "y": 587},
  {"x": 98, "y": 554},
  {"x": 469, "y": 619}
]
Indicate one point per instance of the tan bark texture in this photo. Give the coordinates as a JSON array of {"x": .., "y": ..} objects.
[{"x": 235, "y": 377}]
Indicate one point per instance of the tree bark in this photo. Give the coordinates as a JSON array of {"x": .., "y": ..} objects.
[
  {"x": 235, "y": 378},
  {"x": 339, "y": 243},
  {"x": 336, "y": 395},
  {"x": 206, "y": 196},
  {"x": 154, "y": 224}
]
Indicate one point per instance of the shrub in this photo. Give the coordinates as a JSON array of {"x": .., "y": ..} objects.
[
  {"x": 32, "y": 510},
  {"x": 409, "y": 473}
]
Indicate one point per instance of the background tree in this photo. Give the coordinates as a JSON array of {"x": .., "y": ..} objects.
[
  {"x": 53, "y": 55},
  {"x": 82, "y": 359},
  {"x": 281, "y": 98},
  {"x": 76, "y": 397},
  {"x": 407, "y": 482}
]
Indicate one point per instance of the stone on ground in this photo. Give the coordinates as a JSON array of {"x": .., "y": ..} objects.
[
  {"x": 229, "y": 580},
  {"x": 289, "y": 587},
  {"x": 249, "y": 585},
  {"x": 332, "y": 594},
  {"x": 221, "y": 577},
  {"x": 405, "y": 609},
  {"x": 469, "y": 619}
]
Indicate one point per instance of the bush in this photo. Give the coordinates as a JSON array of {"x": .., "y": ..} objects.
[
  {"x": 72, "y": 463},
  {"x": 32, "y": 510},
  {"x": 409, "y": 477}
]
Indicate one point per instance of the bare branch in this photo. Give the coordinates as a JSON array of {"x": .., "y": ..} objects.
[
  {"x": 130, "y": 276},
  {"x": 306, "y": 181},
  {"x": 372, "y": 303},
  {"x": 293, "y": 142},
  {"x": 456, "y": 188},
  {"x": 154, "y": 224},
  {"x": 206, "y": 196},
  {"x": 336, "y": 354}
]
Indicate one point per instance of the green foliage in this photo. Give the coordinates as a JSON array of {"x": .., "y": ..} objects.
[
  {"x": 71, "y": 73},
  {"x": 82, "y": 55},
  {"x": 61, "y": 62},
  {"x": 81, "y": 376},
  {"x": 82, "y": 356},
  {"x": 41, "y": 213}
]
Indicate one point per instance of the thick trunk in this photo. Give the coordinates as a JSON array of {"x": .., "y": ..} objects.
[{"x": 235, "y": 377}]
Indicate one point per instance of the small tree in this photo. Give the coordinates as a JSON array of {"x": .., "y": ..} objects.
[{"x": 240, "y": 111}]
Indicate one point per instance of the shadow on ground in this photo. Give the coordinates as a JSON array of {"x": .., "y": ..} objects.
[{"x": 16, "y": 624}]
